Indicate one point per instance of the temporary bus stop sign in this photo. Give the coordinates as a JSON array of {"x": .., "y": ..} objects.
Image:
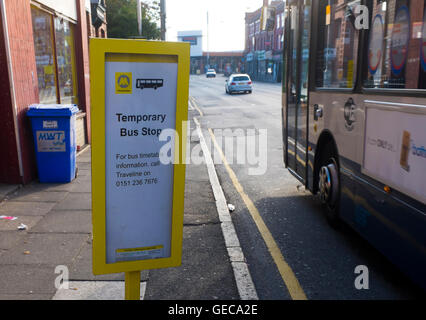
[{"x": 138, "y": 90}]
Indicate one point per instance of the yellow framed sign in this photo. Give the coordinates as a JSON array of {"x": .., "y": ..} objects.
[{"x": 139, "y": 109}]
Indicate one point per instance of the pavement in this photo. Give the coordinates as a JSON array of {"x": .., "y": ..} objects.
[
  {"x": 57, "y": 243},
  {"x": 6, "y": 189}
]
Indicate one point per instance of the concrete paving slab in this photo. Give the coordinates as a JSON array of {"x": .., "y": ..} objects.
[
  {"x": 84, "y": 176},
  {"x": 75, "y": 201},
  {"x": 84, "y": 165},
  {"x": 16, "y": 208},
  {"x": 45, "y": 248},
  {"x": 201, "y": 188},
  {"x": 205, "y": 273},
  {"x": 29, "y": 221},
  {"x": 81, "y": 268},
  {"x": 39, "y": 187},
  {"x": 83, "y": 173},
  {"x": 21, "y": 279},
  {"x": 6, "y": 189},
  {"x": 94, "y": 290},
  {"x": 63, "y": 221},
  {"x": 196, "y": 172},
  {"x": 84, "y": 158},
  {"x": 27, "y": 195},
  {"x": 200, "y": 214},
  {"x": 8, "y": 239},
  {"x": 26, "y": 297},
  {"x": 202, "y": 242},
  {"x": 199, "y": 209},
  {"x": 81, "y": 185}
]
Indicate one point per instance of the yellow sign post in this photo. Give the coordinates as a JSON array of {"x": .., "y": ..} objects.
[{"x": 139, "y": 109}]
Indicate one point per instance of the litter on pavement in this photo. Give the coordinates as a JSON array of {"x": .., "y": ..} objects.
[
  {"x": 22, "y": 227},
  {"x": 10, "y": 218}
]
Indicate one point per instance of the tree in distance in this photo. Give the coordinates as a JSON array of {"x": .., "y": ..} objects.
[{"x": 123, "y": 21}]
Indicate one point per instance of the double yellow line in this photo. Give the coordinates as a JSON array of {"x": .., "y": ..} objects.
[{"x": 287, "y": 274}]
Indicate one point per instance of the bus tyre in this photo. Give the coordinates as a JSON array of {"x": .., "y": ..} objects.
[{"x": 329, "y": 186}]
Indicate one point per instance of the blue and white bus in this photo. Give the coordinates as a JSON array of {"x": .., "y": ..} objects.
[{"x": 354, "y": 118}]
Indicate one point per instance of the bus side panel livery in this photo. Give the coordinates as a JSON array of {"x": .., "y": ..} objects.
[{"x": 354, "y": 119}]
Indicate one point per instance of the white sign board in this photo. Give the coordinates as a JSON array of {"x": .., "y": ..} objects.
[
  {"x": 395, "y": 150},
  {"x": 140, "y": 102},
  {"x": 68, "y": 7}
]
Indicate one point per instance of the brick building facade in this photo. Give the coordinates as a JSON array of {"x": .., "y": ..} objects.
[
  {"x": 263, "y": 49},
  {"x": 99, "y": 20},
  {"x": 44, "y": 58}
]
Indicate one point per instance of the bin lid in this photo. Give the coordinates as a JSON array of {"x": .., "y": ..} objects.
[{"x": 58, "y": 110}]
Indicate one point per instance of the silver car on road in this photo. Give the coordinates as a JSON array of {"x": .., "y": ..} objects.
[{"x": 238, "y": 83}]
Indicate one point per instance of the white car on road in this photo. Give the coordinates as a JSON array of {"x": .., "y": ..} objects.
[
  {"x": 211, "y": 73},
  {"x": 238, "y": 83}
]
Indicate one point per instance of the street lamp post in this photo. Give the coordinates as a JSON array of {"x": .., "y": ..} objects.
[
  {"x": 139, "y": 10},
  {"x": 208, "y": 53},
  {"x": 163, "y": 19}
]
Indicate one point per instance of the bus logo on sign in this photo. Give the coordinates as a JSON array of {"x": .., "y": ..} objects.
[
  {"x": 149, "y": 83},
  {"x": 123, "y": 83}
]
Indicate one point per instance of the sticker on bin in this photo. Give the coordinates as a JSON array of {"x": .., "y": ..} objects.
[
  {"x": 50, "y": 124},
  {"x": 51, "y": 141}
]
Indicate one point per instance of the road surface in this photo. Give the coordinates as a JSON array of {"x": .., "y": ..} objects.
[{"x": 290, "y": 249}]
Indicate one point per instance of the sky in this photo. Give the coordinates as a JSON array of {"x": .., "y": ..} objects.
[{"x": 226, "y": 21}]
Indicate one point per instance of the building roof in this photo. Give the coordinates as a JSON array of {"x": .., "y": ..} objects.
[{"x": 255, "y": 15}]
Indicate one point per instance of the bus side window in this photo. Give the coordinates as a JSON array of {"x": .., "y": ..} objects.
[
  {"x": 396, "y": 56},
  {"x": 338, "y": 40}
]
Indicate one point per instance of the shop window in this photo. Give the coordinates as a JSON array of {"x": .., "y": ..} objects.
[
  {"x": 45, "y": 56},
  {"x": 65, "y": 53},
  {"x": 397, "y": 45},
  {"x": 55, "y": 58},
  {"x": 338, "y": 40}
]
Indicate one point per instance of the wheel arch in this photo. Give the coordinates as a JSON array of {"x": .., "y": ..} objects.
[{"x": 324, "y": 139}]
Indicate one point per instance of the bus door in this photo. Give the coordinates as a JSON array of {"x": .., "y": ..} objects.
[{"x": 298, "y": 28}]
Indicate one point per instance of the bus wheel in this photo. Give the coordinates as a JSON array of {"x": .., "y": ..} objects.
[{"x": 329, "y": 188}]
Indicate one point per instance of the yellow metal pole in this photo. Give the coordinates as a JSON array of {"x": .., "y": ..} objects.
[{"x": 132, "y": 284}]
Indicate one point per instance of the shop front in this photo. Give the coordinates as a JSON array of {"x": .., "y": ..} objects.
[{"x": 44, "y": 51}]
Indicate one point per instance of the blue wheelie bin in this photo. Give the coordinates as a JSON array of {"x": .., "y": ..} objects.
[{"x": 55, "y": 141}]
